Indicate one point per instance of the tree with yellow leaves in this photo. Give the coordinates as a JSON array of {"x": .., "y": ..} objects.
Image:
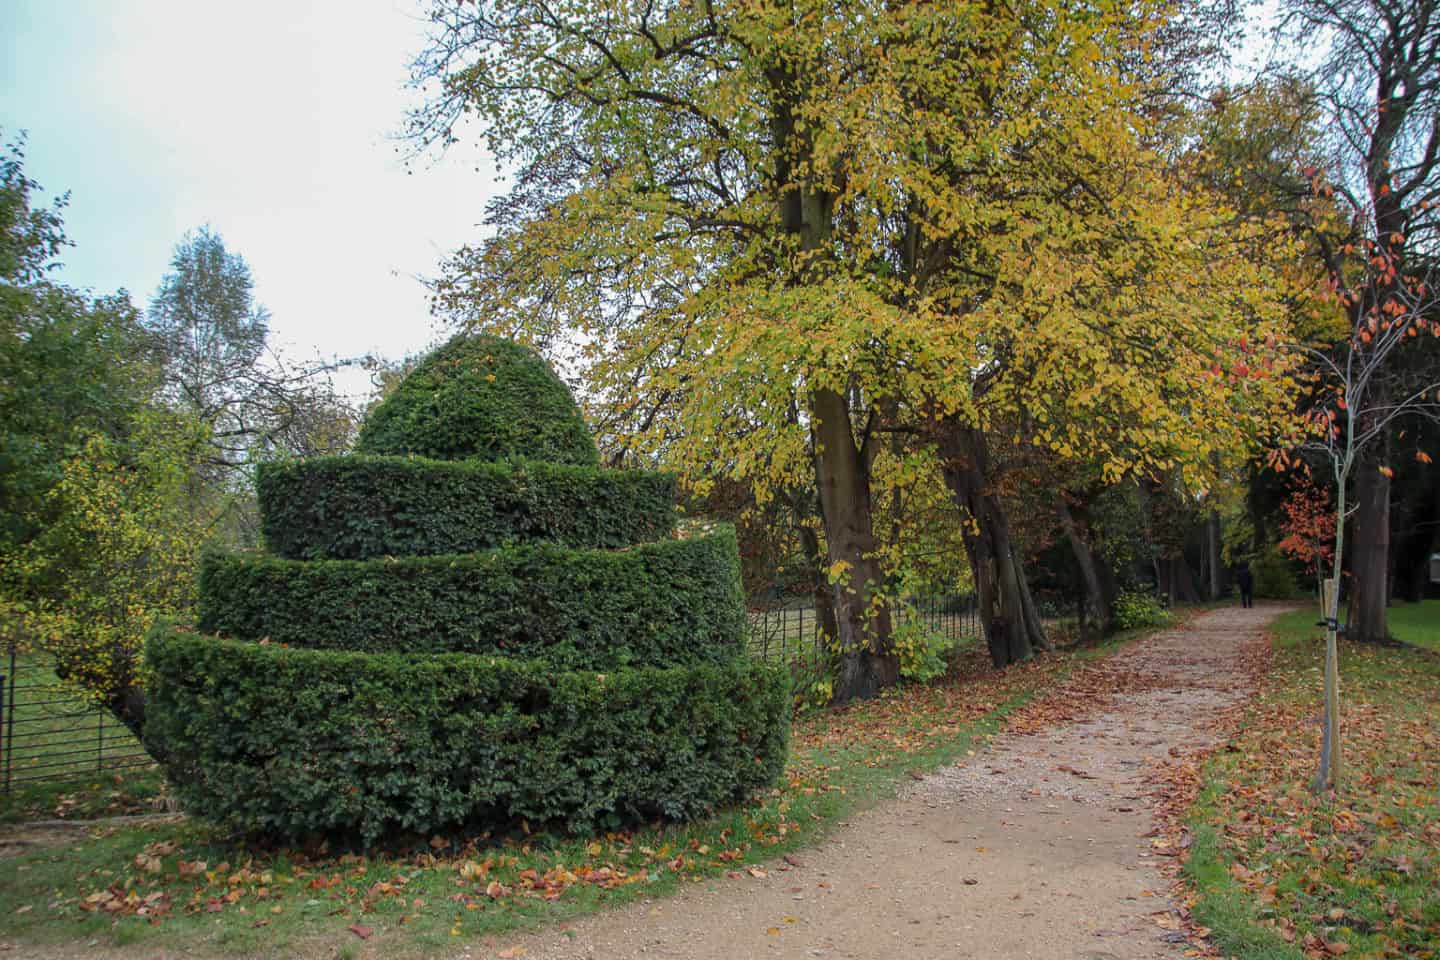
[
  {"x": 796, "y": 228},
  {"x": 118, "y": 553}
]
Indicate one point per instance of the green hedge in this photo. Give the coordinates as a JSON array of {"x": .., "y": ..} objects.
[
  {"x": 673, "y": 601},
  {"x": 357, "y": 507},
  {"x": 480, "y": 397},
  {"x": 284, "y": 742}
]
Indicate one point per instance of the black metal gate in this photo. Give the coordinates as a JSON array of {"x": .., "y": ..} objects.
[{"x": 51, "y": 731}]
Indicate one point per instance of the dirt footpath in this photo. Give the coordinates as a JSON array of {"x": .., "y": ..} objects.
[{"x": 1041, "y": 846}]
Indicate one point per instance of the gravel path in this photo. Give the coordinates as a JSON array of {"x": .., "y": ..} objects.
[{"x": 1044, "y": 845}]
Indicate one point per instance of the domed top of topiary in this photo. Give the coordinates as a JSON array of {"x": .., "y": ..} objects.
[{"x": 480, "y": 397}]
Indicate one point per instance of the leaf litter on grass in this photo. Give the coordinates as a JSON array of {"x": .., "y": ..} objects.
[
  {"x": 1355, "y": 873},
  {"x": 839, "y": 758}
]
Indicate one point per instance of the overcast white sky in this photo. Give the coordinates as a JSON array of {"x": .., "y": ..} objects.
[{"x": 270, "y": 121}]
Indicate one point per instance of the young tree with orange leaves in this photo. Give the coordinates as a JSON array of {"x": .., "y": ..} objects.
[
  {"x": 1309, "y": 528},
  {"x": 1380, "y": 86}
]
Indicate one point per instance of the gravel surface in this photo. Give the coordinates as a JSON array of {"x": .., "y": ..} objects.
[{"x": 1040, "y": 846}]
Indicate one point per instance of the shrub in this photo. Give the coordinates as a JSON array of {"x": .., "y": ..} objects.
[
  {"x": 289, "y": 742},
  {"x": 660, "y": 603},
  {"x": 480, "y": 397},
  {"x": 441, "y": 643},
  {"x": 1274, "y": 576},
  {"x": 1135, "y": 609},
  {"x": 921, "y": 650},
  {"x": 358, "y": 507}
]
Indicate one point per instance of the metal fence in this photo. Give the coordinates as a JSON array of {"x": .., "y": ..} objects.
[
  {"x": 792, "y": 633},
  {"x": 50, "y": 731}
]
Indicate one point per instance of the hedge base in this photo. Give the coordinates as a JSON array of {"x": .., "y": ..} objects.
[{"x": 288, "y": 743}]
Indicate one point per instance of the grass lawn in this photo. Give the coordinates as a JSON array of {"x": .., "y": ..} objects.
[
  {"x": 1281, "y": 873},
  {"x": 190, "y": 888},
  {"x": 1417, "y": 623}
]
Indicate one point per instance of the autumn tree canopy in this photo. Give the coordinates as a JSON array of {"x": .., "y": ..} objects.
[{"x": 777, "y": 234}]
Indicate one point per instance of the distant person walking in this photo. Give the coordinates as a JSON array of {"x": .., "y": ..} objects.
[{"x": 1246, "y": 581}]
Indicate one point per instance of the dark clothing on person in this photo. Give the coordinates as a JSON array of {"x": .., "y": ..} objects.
[{"x": 1246, "y": 582}]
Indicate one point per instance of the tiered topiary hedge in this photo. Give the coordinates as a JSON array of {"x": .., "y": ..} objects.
[
  {"x": 674, "y": 601},
  {"x": 449, "y": 629},
  {"x": 351, "y": 508}
]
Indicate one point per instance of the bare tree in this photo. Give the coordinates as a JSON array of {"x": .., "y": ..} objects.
[
  {"x": 1379, "y": 87},
  {"x": 219, "y": 366}
]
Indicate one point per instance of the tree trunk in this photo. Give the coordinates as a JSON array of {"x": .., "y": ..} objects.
[
  {"x": 822, "y": 592},
  {"x": 1176, "y": 578},
  {"x": 1370, "y": 554},
  {"x": 865, "y": 657},
  {"x": 128, "y": 706},
  {"x": 1099, "y": 598},
  {"x": 866, "y": 661},
  {"x": 1012, "y": 625},
  {"x": 977, "y": 548},
  {"x": 1212, "y": 546}
]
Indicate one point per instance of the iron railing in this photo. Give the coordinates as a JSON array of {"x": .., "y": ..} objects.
[
  {"x": 793, "y": 633},
  {"x": 51, "y": 731}
]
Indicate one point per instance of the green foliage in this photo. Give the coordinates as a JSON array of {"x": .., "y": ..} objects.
[
  {"x": 659, "y": 603},
  {"x": 288, "y": 742},
  {"x": 1135, "y": 608},
  {"x": 71, "y": 366},
  {"x": 357, "y": 507},
  {"x": 213, "y": 333},
  {"x": 98, "y": 530},
  {"x": 414, "y": 663},
  {"x": 921, "y": 651},
  {"x": 117, "y": 551},
  {"x": 1274, "y": 576},
  {"x": 30, "y": 239},
  {"x": 1118, "y": 527},
  {"x": 484, "y": 398}
]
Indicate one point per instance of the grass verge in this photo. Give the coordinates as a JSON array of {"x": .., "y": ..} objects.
[
  {"x": 1280, "y": 873},
  {"x": 189, "y": 887},
  {"x": 1417, "y": 624}
]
